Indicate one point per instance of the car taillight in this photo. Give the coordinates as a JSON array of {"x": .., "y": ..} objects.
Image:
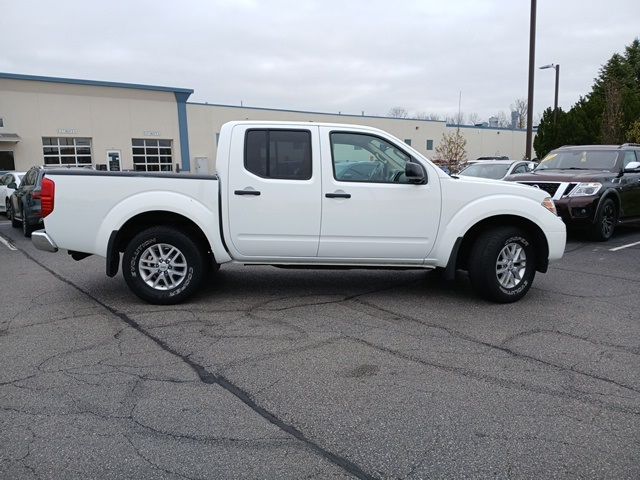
[{"x": 47, "y": 195}]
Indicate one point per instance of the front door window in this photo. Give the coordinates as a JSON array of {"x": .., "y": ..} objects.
[{"x": 366, "y": 158}]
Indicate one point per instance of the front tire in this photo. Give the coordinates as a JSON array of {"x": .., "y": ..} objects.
[
  {"x": 606, "y": 220},
  {"x": 502, "y": 264},
  {"x": 163, "y": 266}
]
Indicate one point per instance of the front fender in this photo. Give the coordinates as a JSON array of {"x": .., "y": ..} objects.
[{"x": 474, "y": 212}]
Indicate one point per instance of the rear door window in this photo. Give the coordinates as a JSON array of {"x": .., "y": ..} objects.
[{"x": 278, "y": 154}]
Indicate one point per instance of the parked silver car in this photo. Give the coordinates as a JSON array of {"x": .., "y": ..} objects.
[{"x": 497, "y": 169}]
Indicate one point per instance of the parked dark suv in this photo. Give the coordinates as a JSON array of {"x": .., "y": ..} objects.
[
  {"x": 594, "y": 187},
  {"x": 25, "y": 202}
]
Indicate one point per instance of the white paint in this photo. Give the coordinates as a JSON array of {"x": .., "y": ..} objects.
[
  {"x": 628, "y": 245},
  {"x": 7, "y": 243}
]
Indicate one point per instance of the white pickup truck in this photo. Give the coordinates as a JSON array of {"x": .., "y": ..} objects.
[{"x": 301, "y": 195}]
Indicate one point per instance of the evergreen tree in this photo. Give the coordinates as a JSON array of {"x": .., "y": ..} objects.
[{"x": 604, "y": 115}]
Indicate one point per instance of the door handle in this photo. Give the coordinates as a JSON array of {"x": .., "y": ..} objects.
[
  {"x": 247, "y": 192},
  {"x": 337, "y": 195}
]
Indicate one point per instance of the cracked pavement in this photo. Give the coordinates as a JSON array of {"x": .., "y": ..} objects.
[{"x": 272, "y": 373}]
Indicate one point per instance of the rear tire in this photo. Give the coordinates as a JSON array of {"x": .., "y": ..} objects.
[
  {"x": 502, "y": 264},
  {"x": 14, "y": 223},
  {"x": 606, "y": 220},
  {"x": 163, "y": 266}
]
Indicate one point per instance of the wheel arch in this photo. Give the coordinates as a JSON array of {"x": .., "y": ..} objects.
[
  {"x": 613, "y": 195},
  {"x": 540, "y": 242},
  {"x": 119, "y": 239}
]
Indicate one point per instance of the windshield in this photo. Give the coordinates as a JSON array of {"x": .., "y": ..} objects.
[
  {"x": 580, "y": 160},
  {"x": 484, "y": 170}
]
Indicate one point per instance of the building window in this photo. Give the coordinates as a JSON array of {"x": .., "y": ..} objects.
[
  {"x": 284, "y": 154},
  {"x": 6, "y": 161},
  {"x": 407, "y": 141},
  {"x": 429, "y": 144},
  {"x": 151, "y": 155},
  {"x": 66, "y": 151},
  {"x": 1, "y": 122}
]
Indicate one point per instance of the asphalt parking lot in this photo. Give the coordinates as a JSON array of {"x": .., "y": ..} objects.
[{"x": 273, "y": 373}]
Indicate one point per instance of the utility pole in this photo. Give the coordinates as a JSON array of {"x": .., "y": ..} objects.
[
  {"x": 459, "y": 109},
  {"x": 532, "y": 59}
]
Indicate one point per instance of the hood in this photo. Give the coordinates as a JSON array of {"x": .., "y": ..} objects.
[
  {"x": 574, "y": 176},
  {"x": 488, "y": 186}
]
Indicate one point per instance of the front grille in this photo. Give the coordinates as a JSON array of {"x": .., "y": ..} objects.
[
  {"x": 550, "y": 188},
  {"x": 570, "y": 187}
]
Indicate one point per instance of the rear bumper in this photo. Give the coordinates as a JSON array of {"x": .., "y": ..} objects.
[{"x": 42, "y": 241}]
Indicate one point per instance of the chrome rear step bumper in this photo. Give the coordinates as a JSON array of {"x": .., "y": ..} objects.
[{"x": 42, "y": 241}]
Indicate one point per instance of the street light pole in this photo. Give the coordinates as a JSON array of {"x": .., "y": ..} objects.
[
  {"x": 555, "y": 100},
  {"x": 532, "y": 57}
]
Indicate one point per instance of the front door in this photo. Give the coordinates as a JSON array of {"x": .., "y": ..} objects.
[
  {"x": 630, "y": 187},
  {"x": 113, "y": 160},
  {"x": 274, "y": 192},
  {"x": 370, "y": 211}
]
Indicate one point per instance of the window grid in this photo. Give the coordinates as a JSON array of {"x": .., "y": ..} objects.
[
  {"x": 429, "y": 144},
  {"x": 66, "y": 151},
  {"x": 151, "y": 155}
]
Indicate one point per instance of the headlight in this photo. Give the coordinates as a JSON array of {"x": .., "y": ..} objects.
[
  {"x": 549, "y": 205},
  {"x": 585, "y": 189}
]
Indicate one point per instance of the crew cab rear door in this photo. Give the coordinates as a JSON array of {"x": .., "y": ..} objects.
[
  {"x": 274, "y": 191},
  {"x": 370, "y": 213}
]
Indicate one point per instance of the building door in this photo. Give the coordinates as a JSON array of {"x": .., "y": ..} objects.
[{"x": 113, "y": 160}]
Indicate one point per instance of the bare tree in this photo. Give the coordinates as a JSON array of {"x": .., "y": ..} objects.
[
  {"x": 520, "y": 106},
  {"x": 612, "y": 114},
  {"x": 452, "y": 150},
  {"x": 473, "y": 118},
  {"x": 503, "y": 121},
  {"x": 427, "y": 116},
  {"x": 455, "y": 119},
  {"x": 398, "y": 112}
]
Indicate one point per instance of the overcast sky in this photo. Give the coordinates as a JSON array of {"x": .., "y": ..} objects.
[{"x": 324, "y": 55}]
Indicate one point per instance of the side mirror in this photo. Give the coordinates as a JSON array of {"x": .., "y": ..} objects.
[
  {"x": 415, "y": 173},
  {"x": 12, "y": 186},
  {"x": 632, "y": 167}
]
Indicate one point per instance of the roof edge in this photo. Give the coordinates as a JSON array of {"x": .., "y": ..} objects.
[
  {"x": 336, "y": 114},
  {"x": 93, "y": 83}
]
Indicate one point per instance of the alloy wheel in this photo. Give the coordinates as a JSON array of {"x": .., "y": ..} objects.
[
  {"x": 511, "y": 265},
  {"x": 162, "y": 266}
]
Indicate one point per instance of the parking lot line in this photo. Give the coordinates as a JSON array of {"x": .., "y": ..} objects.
[
  {"x": 7, "y": 243},
  {"x": 624, "y": 246}
]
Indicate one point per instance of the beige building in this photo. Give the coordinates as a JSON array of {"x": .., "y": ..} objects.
[
  {"x": 118, "y": 126},
  {"x": 114, "y": 126}
]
